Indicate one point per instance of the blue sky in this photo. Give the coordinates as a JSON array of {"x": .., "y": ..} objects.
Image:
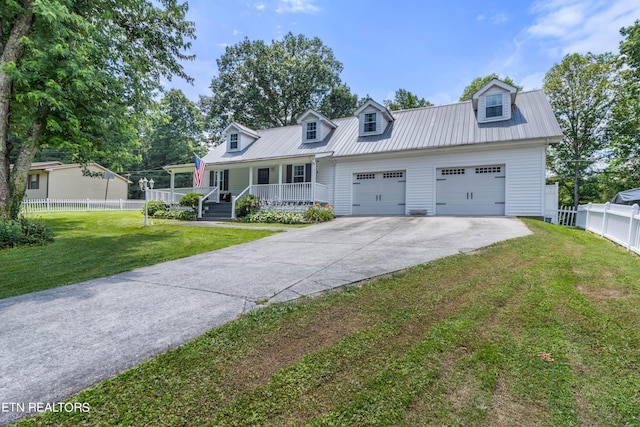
[{"x": 431, "y": 48}]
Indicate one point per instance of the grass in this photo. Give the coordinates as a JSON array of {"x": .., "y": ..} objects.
[
  {"x": 536, "y": 331},
  {"x": 98, "y": 244}
]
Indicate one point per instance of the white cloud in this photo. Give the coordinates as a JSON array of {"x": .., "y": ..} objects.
[
  {"x": 480, "y": 17},
  {"x": 499, "y": 18},
  {"x": 236, "y": 32},
  {"x": 582, "y": 25},
  {"x": 532, "y": 81},
  {"x": 297, "y": 6},
  {"x": 260, "y": 6}
]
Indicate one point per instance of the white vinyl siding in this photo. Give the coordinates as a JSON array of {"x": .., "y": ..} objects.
[
  {"x": 524, "y": 181},
  {"x": 324, "y": 175}
]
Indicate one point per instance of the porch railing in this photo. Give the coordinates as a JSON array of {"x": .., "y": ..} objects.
[
  {"x": 296, "y": 192},
  {"x": 286, "y": 193},
  {"x": 166, "y": 196}
]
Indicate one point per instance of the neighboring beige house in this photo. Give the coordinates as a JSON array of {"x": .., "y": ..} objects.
[{"x": 56, "y": 180}]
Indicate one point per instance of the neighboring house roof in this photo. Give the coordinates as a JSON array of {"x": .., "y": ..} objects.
[
  {"x": 415, "y": 129},
  {"x": 55, "y": 165}
]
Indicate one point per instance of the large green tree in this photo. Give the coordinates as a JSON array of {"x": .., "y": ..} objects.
[
  {"x": 405, "y": 100},
  {"x": 174, "y": 133},
  {"x": 340, "y": 102},
  {"x": 624, "y": 124},
  {"x": 74, "y": 75},
  {"x": 581, "y": 90},
  {"x": 267, "y": 85},
  {"x": 477, "y": 84}
]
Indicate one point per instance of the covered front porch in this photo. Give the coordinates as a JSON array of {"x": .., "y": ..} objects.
[{"x": 287, "y": 184}]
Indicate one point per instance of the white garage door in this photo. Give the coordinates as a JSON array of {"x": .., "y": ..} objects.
[
  {"x": 379, "y": 193},
  {"x": 477, "y": 190}
]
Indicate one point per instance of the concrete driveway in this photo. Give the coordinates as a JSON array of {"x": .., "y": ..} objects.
[{"x": 60, "y": 341}]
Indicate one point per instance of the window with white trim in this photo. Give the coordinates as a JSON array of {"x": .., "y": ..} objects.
[
  {"x": 494, "y": 106},
  {"x": 370, "y": 122},
  {"x": 298, "y": 173},
  {"x": 34, "y": 182},
  {"x": 312, "y": 132},
  {"x": 233, "y": 141}
]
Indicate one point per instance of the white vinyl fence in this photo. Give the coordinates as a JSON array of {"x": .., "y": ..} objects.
[
  {"x": 79, "y": 205},
  {"x": 618, "y": 223}
]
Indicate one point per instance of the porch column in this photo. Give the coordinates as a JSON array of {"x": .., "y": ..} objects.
[
  {"x": 280, "y": 182},
  {"x": 250, "y": 178},
  {"x": 313, "y": 180},
  {"x": 172, "y": 186}
]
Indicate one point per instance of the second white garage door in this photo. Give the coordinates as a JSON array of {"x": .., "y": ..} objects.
[
  {"x": 477, "y": 190},
  {"x": 379, "y": 193}
]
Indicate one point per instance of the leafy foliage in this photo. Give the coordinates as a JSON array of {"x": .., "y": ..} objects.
[
  {"x": 339, "y": 103},
  {"x": 319, "y": 213},
  {"x": 261, "y": 85},
  {"x": 76, "y": 75},
  {"x": 155, "y": 205},
  {"x": 405, "y": 100},
  {"x": 247, "y": 205},
  {"x": 278, "y": 217},
  {"x": 191, "y": 200},
  {"x": 581, "y": 90},
  {"x": 477, "y": 84},
  {"x": 177, "y": 214},
  {"x": 23, "y": 232}
]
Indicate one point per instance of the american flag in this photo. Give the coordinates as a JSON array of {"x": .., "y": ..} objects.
[{"x": 198, "y": 173}]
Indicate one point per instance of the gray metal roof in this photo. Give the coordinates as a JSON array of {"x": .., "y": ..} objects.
[{"x": 420, "y": 128}]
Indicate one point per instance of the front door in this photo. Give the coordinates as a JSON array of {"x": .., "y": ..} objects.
[{"x": 263, "y": 176}]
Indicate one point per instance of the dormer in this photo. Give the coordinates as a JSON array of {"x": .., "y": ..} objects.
[
  {"x": 238, "y": 137},
  {"x": 373, "y": 118},
  {"x": 493, "y": 101},
  {"x": 315, "y": 126}
]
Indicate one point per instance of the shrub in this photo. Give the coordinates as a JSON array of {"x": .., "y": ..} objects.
[
  {"x": 10, "y": 233},
  {"x": 247, "y": 205},
  {"x": 23, "y": 232},
  {"x": 180, "y": 215},
  {"x": 156, "y": 205},
  {"x": 275, "y": 217},
  {"x": 190, "y": 200},
  {"x": 319, "y": 213},
  {"x": 34, "y": 232}
]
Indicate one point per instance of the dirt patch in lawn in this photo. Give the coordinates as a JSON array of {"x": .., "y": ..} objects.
[
  {"x": 602, "y": 292},
  {"x": 505, "y": 410},
  {"x": 284, "y": 347}
]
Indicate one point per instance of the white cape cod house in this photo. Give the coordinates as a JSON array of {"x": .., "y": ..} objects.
[{"x": 481, "y": 157}]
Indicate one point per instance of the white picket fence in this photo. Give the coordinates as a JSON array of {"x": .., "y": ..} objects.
[
  {"x": 567, "y": 216},
  {"x": 618, "y": 223},
  {"x": 79, "y": 205}
]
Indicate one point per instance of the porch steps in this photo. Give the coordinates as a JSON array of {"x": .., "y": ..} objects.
[{"x": 216, "y": 211}]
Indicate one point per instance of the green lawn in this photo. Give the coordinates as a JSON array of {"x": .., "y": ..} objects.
[
  {"x": 98, "y": 244},
  {"x": 536, "y": 331}
]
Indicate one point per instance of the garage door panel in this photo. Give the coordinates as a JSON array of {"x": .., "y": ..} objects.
[
  {"x": 478, "y": 190},
  {"x": 379, "y": 193}
]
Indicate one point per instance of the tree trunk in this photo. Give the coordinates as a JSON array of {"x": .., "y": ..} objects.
[
  {"x": 20, "y": 172},
  {"x": 576, "y": 184},
  {"x": 10, "y": 53}
]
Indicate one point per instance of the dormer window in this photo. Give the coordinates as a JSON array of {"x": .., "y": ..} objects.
[
  {"x": 312, "y": 130},
  {"x": 233, "y": 141},
  {"x": 370, "y": 122},
  {"x": 494, "y": 105}
]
